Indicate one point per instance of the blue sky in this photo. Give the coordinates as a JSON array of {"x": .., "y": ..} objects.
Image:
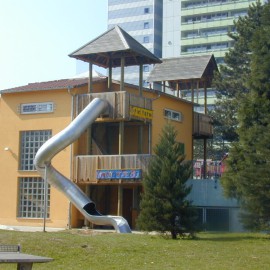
[{"x": 36, "y": 37}]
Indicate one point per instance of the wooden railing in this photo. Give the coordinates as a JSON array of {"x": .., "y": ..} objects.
[
  {"x": 202, "y": 126},
  {"x": 214, "y": 169},
  {"x": 119, "y": 103},
  {"x": 85, "y": 167}
]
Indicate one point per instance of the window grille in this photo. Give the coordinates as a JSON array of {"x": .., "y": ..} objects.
[
  {"x": 30, "y": 142},
  {"x": 32, "y": 108},
  {"x": 31, "y": 198}
]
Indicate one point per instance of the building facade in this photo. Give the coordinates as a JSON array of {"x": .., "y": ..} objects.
[
  {"x": 170, "y": 28},
  {"x": 108, "y": 159},
  {"x": 33, "y": 113},
  {"x": 173, "y": 28},
  {"x": 205, "y": 24}
]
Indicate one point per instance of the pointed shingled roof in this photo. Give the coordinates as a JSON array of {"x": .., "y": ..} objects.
[
  {"x": 111, "y": 46},
  {"x": 184, "y": 68}
]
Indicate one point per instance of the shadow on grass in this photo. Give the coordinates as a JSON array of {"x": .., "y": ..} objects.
[{"x": 231, "y": 237}]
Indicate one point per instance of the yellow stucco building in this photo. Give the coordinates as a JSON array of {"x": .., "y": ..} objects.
[{"x": 121, "y": 139}]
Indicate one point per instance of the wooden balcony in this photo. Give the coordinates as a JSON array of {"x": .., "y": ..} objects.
[
  {"x": 202, "y": 126},
  {"x": 122, "y": 105},
  {"x": 86, "y": 167}
]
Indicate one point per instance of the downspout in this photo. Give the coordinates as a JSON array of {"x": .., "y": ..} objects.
[
  {"x": 71, "y": 152},
  {"x": 150, "y": 129},
  {"x": 140, "y": 134}
]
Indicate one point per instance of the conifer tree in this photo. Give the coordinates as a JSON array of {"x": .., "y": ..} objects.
[
  {"x": 230, "y": 82},
  {"x": 248, "y": 175},
  {"x": 164, "y": 207}
]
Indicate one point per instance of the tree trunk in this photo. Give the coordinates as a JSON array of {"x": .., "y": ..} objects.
[{"x": 173, "y": 234}]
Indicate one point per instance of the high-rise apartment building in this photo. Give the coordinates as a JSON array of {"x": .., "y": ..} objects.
[
  {"x": 142, "y": 19},
  {"x": 170, "y": 28},
  {"x": 200, "y": 27},
  {"x": 205, "y": 24}
]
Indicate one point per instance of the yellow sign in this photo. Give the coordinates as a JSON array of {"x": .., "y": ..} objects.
[{"x": 141, "y": 113}]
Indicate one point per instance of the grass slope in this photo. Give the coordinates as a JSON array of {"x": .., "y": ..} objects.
[{"x": 84, "y": 250}]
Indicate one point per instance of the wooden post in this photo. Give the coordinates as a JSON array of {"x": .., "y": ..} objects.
[
  {"x": 121, "y": 138},
  {"x": 205, "y": 98},
  {"x": 120, "y": 200},
  {"x": 87, "y": 193},
  {"x": 192, "y": 92},
  {"x": 140, "y": 79},
  {"x": 150, "y": 138},
  {"x": 89, "y": 141},
  {"x": 90, "y": 80},
  {"x": 121, "y": 151},
  {"x": 122, "y": 80},
  {"x": 204, "y": 157},
  {"x": 198, "y": 91},
  {"x": 140, "y": 139},
  {"x": 110, "y": 76}
]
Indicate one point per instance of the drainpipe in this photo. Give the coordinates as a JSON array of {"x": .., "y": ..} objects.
[
  {"x": 192, "y": 140},
  {"x": 140, "y": 134},
  {"x": 45, "y": 200},
  {"x": 204, "y": 139},
  {"x": 71, "y": 152},
  {"x": 150, "y": 130}
]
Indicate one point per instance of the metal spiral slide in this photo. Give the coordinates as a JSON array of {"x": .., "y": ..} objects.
[{"x": 56, "y": 144}]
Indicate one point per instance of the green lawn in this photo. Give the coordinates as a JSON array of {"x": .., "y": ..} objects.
[{"x": 81, "y": 250}]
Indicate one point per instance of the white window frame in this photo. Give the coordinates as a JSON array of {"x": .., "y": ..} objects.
[
  {"x": 173, "y": 115},
  {"x": 36, "y": 108}
]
